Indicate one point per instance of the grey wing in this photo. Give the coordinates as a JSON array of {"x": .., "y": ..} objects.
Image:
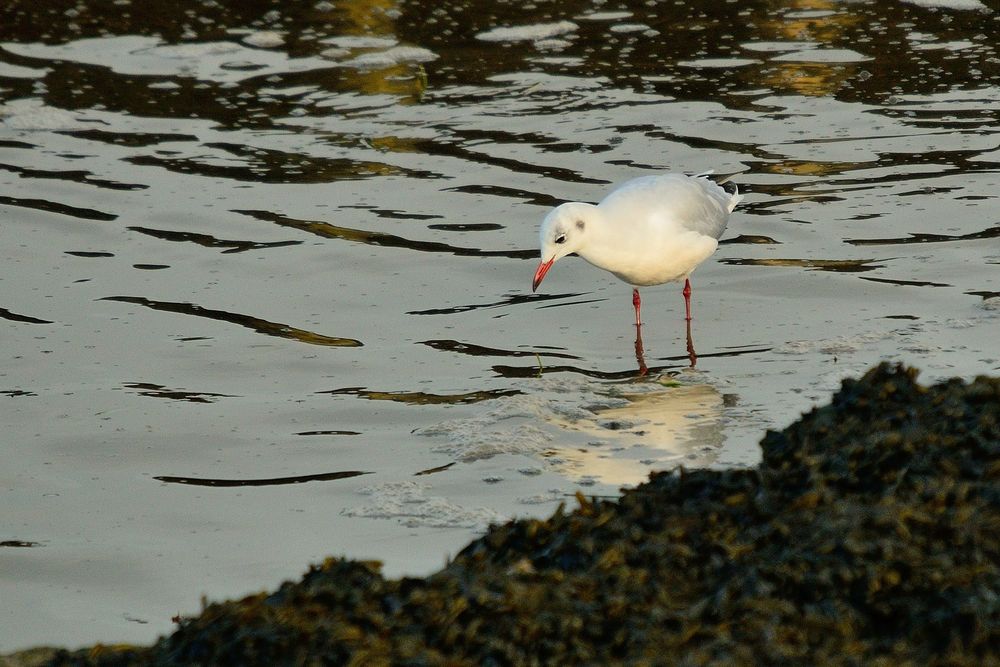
[
  {"x": 703, "y": 205},
  {"x": 709, "y": 209},
  {"x": 695, "y": 203}
]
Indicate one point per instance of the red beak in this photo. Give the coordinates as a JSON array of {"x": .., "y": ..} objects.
[{"x": 543, "y": 268}]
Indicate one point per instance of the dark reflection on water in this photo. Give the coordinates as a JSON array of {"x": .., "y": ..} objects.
[
  {"x": 456, "y": 149},
  {"x": 780, "y": 206},
  {"x": 905, "y": 283},
  {"x": 481, "y": 351},
  {"x": 750, "y": 239},
  {"x": 511, "y": 300},
  {"x": 269, "y": 166},
  {"x": 17, "y": 317},
  {"x": 391, "y": 214},
  {"x": 431, "y": 471},
  {"x": 270, "y": 481},
  {"x": 570, "y": 303},
  {"x": 255, "y": 323},
  {"x": 422, "y": 398},
  {"x": 719, "y": 30},
  {"x": 539, "y": 198},
  {"x": 56, "y": 207},
  {"x": 684, "y": 359},
  {"x": 840, "y": 265},
  {"x": 137, "y": 139},
  {"x": 661, "y": 59},
  {"x": 159, "y": 391},
  {"x": 76, "y": 176},
  {"x": 327, "y": 230},
  {"x": 990, "y": 233},
  {"x": 231, "y": 246},
  {"x": 89, "y": 254},
  {"x": 467, "y": 227}
]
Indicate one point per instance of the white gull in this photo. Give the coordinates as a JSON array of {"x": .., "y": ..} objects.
[{"x": 647, "y": 231}]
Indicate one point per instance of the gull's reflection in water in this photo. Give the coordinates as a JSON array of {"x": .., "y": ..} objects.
[
  {"x": 640, "y": 353},
  {"x": 655, "y": 430}
]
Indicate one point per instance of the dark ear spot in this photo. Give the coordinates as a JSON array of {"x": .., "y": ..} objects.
[{"x": 579, "y": 225}]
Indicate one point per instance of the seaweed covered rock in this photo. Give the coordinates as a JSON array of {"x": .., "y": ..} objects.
[{"x": 869, "y": 534}]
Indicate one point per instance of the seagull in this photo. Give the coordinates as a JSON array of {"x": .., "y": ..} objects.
[{"x": 648, "y": 231}]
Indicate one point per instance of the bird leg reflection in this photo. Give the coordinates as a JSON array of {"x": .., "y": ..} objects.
[
  {"x": 692, "y": 355},
  {"x": 640, "y": 353},
  {"x": 640, "y": 356}
]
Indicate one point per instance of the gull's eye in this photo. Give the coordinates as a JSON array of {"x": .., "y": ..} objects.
[{"x": 561, "y": 238}]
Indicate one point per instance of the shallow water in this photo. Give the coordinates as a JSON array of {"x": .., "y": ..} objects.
[{"x": 266, "y": 271}]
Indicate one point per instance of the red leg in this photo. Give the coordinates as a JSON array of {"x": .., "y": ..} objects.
[
  {"x": 687, "y": 298},
  {"x": 637, "y": 303}
]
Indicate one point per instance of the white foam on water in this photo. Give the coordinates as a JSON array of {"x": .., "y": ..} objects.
[
  {"x": 717, "y": 63},
  {"x": 360, "y": 42},
  {"x": 265, "y": 39},
  {"x": 149, "y": 56},
  {"x": 505, "y": 428},
  {"x": 810, "y": 14},
  {"x": 530, "y": 33},
  {"x": 957, "y": 45},
  {"x": 823, "y": 56},
  {"x": 30, "y": 114},
  {"x": 991, "y": 305},
  {"x": 605, "y": 16},
  {"x": 390, "y": 57},
  {"x": 11, "y": 71},
  {"x": 961, "y": 5},
  {"x": 838, "y": 345},
  {"x": 629, "y": 27},
  {"x": 778, "y": 47},
  {"x": 550, "y": 496},
  {"x": 409, "y": 503},
  {"x": 553, "y": 44}
]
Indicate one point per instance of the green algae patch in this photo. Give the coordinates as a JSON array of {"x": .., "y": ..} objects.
[{"x": 869, "y": 534}]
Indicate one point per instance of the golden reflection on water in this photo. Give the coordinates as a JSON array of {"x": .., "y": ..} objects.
[
  {"x": 808, "y": 168},
  {"x": 396, "y": 144},
  {"x": 680, "y": 425},
  {"x": 821, "y": 21},
  {"x": 366, "y": 18}
]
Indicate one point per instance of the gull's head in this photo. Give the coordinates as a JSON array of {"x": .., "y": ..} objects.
[{"x": 563, "y": 231}]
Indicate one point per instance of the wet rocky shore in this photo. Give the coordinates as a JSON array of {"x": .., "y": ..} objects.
[{"x": 868, "y": 535}]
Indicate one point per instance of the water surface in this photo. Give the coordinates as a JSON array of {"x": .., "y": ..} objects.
[{"x": 266, "y": 269}]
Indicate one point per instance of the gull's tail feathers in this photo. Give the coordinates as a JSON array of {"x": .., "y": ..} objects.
[{"x": 725, "y": 182}]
